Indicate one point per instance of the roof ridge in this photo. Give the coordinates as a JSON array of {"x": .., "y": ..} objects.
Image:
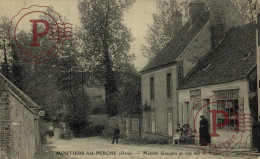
[
  {"x": 176, "y": 45},
  {"x": 19, "y": 92},
  {"x": 214, "y": 49},
  {"x": 226, "y": 60}
]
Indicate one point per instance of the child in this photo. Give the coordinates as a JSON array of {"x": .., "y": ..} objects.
[{"x": 177, "y": 136}]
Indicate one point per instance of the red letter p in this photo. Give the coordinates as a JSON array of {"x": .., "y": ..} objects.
[
  {"x": 214, "y": 121},
  {"x": 35, "y": 34}
]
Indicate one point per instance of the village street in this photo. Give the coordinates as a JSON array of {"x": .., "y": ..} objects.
[{"x": 97, "y": 146}]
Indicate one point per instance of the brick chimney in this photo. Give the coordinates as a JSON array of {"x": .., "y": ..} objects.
[
  {"x": 224, "y": 15},
  {"x": 180, "y": 72},
  {"x": 196, "y": 8},
  {"x": 177, "y": 22},
  {"x": 217, "y": 20}
]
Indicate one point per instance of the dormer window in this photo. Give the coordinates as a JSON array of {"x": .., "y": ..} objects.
[
  {"x": 207, "y": 66},
  {"x": 246, "y": 56}
]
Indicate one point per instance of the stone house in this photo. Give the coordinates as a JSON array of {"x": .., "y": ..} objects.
[
  {"x": 19, "y": 122},
  {"x": 222, "y": 81},
  {"x": 161, "y": 77}
]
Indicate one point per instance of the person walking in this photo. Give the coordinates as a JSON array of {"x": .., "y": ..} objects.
[
  {"x": 204, "y": 131},
  {"x": 116, "y": 134}
]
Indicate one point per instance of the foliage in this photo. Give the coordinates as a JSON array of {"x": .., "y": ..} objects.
[
  {"x": 98, "y": 52},
  {"x": 68, "y": 134},
  {"x": 107, "y": 133},
  {"x": 147, "y": 108},
  {"x": 129, "y": 94},
  {"x": 89, "y": 130},
  {"x": 71, "y": 80},
  {"x": 43, "y": 128},
  {"x": 4, "y": 26},
  {"x": 247, "y": 8},
  {"x": 106, "y": 42},
  {"x": 55, "y": 83},
  {"x": 162, "y": 29}
]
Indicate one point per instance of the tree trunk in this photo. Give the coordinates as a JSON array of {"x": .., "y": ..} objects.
[
  {"x": 71, "y": 92},
  {"x": 110, "y": 86}
]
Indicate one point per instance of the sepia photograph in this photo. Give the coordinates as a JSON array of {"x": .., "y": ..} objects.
[{"x": 129, "y": 79}]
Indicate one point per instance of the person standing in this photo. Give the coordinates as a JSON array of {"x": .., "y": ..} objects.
[
  {"x": 204, "y": 131},
  {"x": 116, "y": 134},
  {"x": 51, "y": 131}
]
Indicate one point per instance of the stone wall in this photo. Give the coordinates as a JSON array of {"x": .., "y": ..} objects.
[
  {"x": 19, "y": 133},
  {"x": 161, "y": 104},
  {"x": 157, "y": 137},
  {"x": 5, "y": 122},
  {"x": 198, "y": 48}
]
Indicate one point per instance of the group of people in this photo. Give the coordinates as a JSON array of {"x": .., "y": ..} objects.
[{"x": 185, "y": 133}]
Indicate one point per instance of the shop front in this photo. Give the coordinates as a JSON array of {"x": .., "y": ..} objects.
[{"x": 225, "y": 107}]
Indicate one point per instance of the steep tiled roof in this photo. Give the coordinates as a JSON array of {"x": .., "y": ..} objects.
[
  {"x": 177, "y": 44},
  {"x": 232, "y": 60}
]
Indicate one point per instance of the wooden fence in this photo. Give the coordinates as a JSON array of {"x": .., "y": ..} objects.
[{"x": 129, "y": 127}]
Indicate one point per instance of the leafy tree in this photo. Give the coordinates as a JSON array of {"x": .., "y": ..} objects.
[
  {"x": 129, "y": 95},
  {"x": 162, "y": 29},
  {"x": 16, "y": 71},
  {"x": 247, "y": 8},
  {"x": 4, "y": 26},
  {"x": 107, "y": 42}
]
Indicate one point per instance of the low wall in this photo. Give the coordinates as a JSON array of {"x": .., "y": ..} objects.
[
  {"x": 157, "y": 137},
  {"x": 19, "y": 131},
  {"x": 134, "y": 134}
]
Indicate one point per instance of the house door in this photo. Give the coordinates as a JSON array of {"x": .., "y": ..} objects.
[
  {"x": 169, "y": 116},
  {"x": 127, "y": 121}
]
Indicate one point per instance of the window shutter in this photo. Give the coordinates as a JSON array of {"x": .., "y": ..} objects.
[
  {"x": 180, "y": 113},
  {"x": 169, "y": 124},
  {"x": 241, "y": 104},
  {"x": 240, "y": 113},
  {"x": 145, "y": 121}
]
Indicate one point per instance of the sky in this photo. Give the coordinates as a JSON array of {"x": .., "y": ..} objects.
[{"x": 136, "y": 18}]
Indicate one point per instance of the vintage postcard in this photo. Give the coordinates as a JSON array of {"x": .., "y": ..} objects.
[{"x": 141, "y": 79}]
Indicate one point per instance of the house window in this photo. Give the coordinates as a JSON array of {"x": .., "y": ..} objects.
[
  {"x": 153, "y": 121},
  {"x": 152, "y": 88},
  {"x": 231, "y": 108},
  {"x": 135, "y": 124},
  {"x": 169, "y": 83}
]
